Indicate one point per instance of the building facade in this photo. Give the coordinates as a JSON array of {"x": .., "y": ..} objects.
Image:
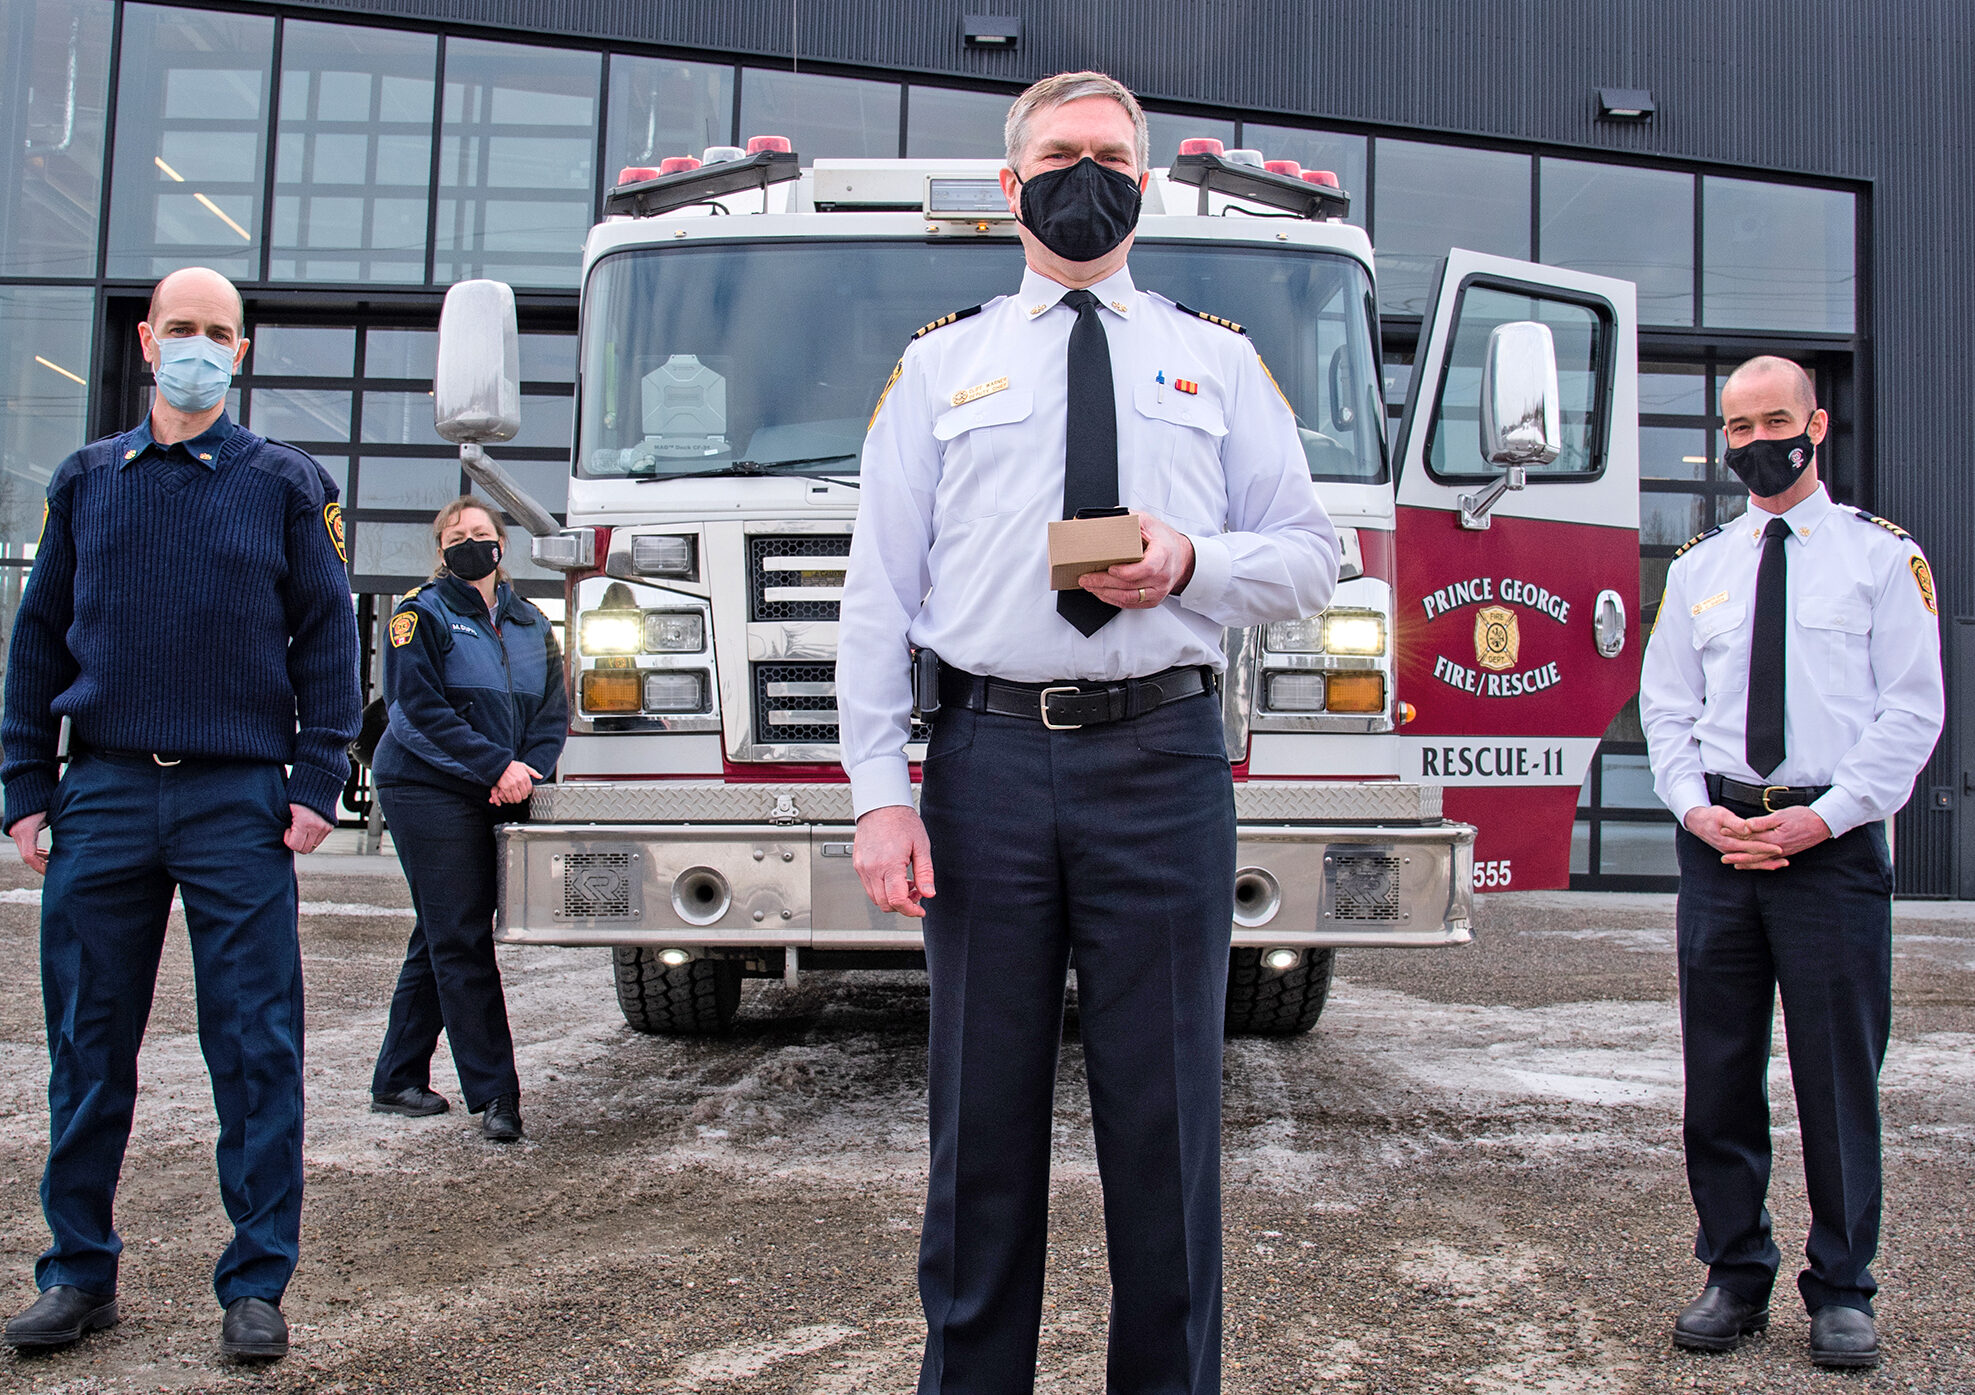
[{"x": 1796, "y": 187}]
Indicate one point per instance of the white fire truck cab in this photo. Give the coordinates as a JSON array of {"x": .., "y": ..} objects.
[{"x": 1425, "y": 735}]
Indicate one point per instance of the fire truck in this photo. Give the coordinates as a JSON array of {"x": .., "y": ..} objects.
[{"x": 1423, "y": 738}]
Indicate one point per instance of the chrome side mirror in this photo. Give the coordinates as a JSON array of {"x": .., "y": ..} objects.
[
  {"x": 476, "y": 394},
  {"x": 1520, "y": 423}
]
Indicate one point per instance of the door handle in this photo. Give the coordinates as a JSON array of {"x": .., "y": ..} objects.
[{"x": 1608, "y": 623}]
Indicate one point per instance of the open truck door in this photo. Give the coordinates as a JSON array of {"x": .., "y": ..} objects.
[{"x": 1518, "y": 586}]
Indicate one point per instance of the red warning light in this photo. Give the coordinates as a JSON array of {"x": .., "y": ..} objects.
[
  {"x": 1323, "y": 177},
  {"x": 636, "y": 174},
  {"x": 1288, "y": 167},
  {"x": 757, "y": 144},
  {"x": 677, "y": 164},
  {"x": 1200, "y": 145}
]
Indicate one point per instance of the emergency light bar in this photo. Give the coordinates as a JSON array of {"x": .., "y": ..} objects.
[
  {"x": 647, "y": 198},
  {"x": 1219, "y": 175}
]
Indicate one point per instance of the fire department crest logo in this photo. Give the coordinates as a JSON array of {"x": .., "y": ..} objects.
[
  {"x": 332, "y": 519},
  {"x": 1496, "y": 637},
  {"x": 403, "y": 626},
  {"x": 1924, "y": 579}
]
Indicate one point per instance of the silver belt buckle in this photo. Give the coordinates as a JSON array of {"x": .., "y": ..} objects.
[
  {"x": 166, "y": 763},
  {"x": 1042, "y": 707}
]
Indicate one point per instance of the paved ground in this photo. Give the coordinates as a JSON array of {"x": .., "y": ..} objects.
[{"x": 1467, "y": 1179}]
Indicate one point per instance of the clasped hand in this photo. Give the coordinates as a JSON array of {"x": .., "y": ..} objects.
[
  {"x": 1163, "y": 571},
  {"x": 1759, "y": 844}
]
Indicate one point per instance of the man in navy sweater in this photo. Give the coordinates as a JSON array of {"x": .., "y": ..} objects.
[{"x": 189, "y": 618}]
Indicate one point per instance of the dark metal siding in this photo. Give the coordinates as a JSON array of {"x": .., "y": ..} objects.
[{"x": 1847, "y": 89}]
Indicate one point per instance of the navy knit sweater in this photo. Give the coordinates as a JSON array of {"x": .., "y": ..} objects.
[{"x": 187, "y": 600}]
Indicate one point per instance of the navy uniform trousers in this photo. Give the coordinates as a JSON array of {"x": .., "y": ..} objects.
[
  {"x": 125, "y": 832},
  {"x": 1820, "y": 931},
  {"x": 1116, "y": 842},
  {"x": 450, "y": 977}
]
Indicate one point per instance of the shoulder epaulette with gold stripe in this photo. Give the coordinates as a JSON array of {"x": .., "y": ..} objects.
[
  {"x": 944, "y": 320},
  {"x": 1210, "y": 319},
  {"x": 1696, "y": 539},
  {"x": 1886, "y": 523}
]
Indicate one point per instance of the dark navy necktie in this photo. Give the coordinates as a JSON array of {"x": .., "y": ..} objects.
[
  {"x": 1764, "y": 731},
  {"x": 1090, "y": 445}
]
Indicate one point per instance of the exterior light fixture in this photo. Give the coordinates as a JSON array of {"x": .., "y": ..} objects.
[
  {"x": 1625, "y": 103},
  {"x": 991, "y": 31}
]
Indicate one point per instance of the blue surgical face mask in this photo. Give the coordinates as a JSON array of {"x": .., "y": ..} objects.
[{"x": 193, "y": 372}]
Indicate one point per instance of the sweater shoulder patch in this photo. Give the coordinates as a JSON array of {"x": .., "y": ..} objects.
[
  {"x": 1210, "y": 319},
  {"x": 944, "y": 320},
  {"x": 1886, "y": 523},
  {"x": 1696, "y": 540},
  {"x": 296, "y": 468}
]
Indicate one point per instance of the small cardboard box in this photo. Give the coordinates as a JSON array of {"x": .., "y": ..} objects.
[{"x": 1079, "y": 545}]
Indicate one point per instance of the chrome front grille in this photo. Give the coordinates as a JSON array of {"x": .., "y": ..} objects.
[
  {"x": 1361, "y": 885},
  {"x": 797, "y": 703},
  {"x": 796, "y": 578},
  {"x": 598, "y": 885}
]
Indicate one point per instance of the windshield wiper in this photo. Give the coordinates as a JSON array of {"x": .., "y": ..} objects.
[{"x": 750, "y": 468}]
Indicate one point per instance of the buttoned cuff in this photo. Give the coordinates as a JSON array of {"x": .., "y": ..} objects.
[
  {"x": 879, "y": 782},
  {"x": 1840, "y": 811},
  {"x": 1213, "y": 571}
]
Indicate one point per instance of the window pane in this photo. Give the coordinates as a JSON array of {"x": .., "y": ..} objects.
[
  {"x": 1168, "y": 129},
  {"x": 399, "y": 418},
  {"x": 1668, "y": 520},
  {"x": 943, "y": 122},
  {"x": 1429, "y": 198},
  {"x": 548, "y": 358},
  {"x": 353, "y": 162},
  {"x": 1343, "y": 156},
  {"x": 1637, "y": 849},
  {"x": 546, "y": 422},
  {"x": 660, "y": 107},
  {"x": 45, "y": 342},
  {"x": 390, "y": 556},
  {"x": 300, "y": 414},
  {"x": 1616, "y": 220},
  {"x": 1454, "y": 447},
  {"x": 401, "y": 353},
  {"x": 1673, "y": 389},
  {"x": 821, "y": 116},
  {"x": 388, "y": 483},
  {"x": 547, "y": 481},
  {"x": 1673, "y": 453},
  {"x": 191, "y": 130},
  {"x": 1628, "y": 782},
  {"x": 1776, "y": 256},
  {"x": 55, "y": 67},
  {"x": 302, "y": 351},
  {"x": 517, "y": 156}
]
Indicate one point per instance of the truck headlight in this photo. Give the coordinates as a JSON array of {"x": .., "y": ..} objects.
[
  {"x": 662, "y": 554},
  {"x": 1354, "y": 632},
  {"x": 674, "y": 632},
  {"x": 1296, "y": 692},
  {"x": 1305, "y": 636},
  {"x": 612, "y": 632},
  {"x": 675, "y": 692}
]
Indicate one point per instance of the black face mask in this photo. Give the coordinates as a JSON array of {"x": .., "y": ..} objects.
[
  {"x": 1083, "y": 212},
  {"x": 473, "y": 559},
  {"x": 1769, "y": 468}
]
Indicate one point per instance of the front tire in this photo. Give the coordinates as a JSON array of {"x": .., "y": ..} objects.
[
  {"x": 1276, "y": 1002},
  {"x": 697, "y": 998}
]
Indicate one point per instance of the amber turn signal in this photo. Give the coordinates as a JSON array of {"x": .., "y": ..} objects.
[
  {"x": 612, "y": 690},
  {"x": 1355, "y": 692}
]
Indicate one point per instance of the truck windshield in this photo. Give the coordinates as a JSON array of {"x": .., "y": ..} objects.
[{"x": 748, "y": 357}]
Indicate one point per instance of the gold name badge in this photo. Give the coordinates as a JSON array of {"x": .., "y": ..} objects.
[
  {"x": 1710, "y": 603},
  {"x": 966, "y": 395}
]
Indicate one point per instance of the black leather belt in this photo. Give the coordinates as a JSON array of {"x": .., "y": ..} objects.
[
  {"x": 1069, "y": 705},
  {"x": 145, "y": 757},
  {"x": 1768, "y": 798}
]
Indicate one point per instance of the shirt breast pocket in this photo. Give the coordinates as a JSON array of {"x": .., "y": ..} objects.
[
  {"x": 1837, "y": 634},
  {"x": 1171, "y": 463},
  {"x": 1722, "y": 635},
  {"x": 988, "y": 459}
]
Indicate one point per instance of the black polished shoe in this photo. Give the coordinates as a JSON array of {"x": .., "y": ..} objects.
[
  {"x": 502, "y": 1121},
  {"x": 253, "y": 1330},
  {"x": 412, "y": 1102},
  {"x": 1718, "y": 1321},
  {"x": 1843, "y": 1337},
  {"x": 61, "y": 1315}
]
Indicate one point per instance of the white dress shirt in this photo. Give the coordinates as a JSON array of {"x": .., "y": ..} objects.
[
  {"x": 951, "y": 547},
  {"x": 1862, "y": 670}
]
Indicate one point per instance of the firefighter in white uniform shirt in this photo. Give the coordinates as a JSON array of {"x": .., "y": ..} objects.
[
  {"x": 1077, "y": 792},
  {"x": 1791, "y": 693}
]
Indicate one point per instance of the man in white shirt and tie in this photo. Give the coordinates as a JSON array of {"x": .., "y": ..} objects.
[
  {"x": 1077, "y": 794},
  {"x": 1791, "y": 692}
]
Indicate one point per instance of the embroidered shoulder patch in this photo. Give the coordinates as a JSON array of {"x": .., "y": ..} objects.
[
  {"x": 1924, "y": 579},
  {"x": 1210, "y": 319},
  {"x": 944, "y": 320},
  {"x": 1886, "y": 523},
  {"x": 1696, "y": 539},
  {"x": 403, "y": 626},
  {"x": 896, "y": 369},
  {"x": 332, "y": 519}
]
